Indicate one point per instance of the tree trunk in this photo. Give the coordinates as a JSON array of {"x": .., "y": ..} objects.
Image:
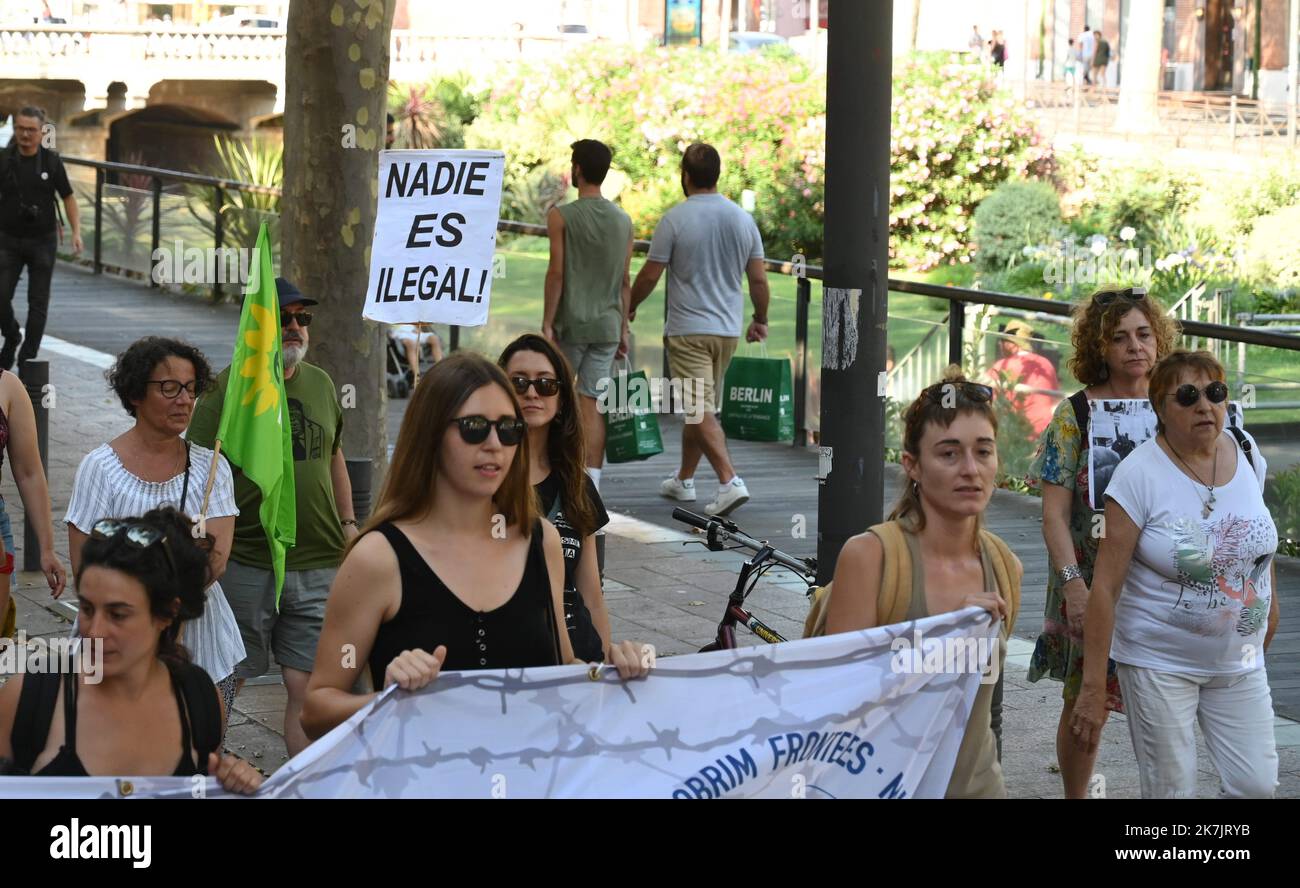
[
  {"x": 334, "y": 122},
  {"x": 1138, "y": 88}
]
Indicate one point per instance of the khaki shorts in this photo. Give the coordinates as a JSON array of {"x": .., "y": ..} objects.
[{"x": 700, "y": 362}]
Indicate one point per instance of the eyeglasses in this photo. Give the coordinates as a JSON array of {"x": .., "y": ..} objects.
[
  {"x": 971, "y": 391},
  {"x": 1187, "y": 395},
  {"x": 474, "y": 429},
  {"x": 137, "y": 534},
  {"x": 302, "y": 317},
  {"x": 546, "y": 387},
  {"x": 1128, "y": 294},
  {"x": 171, "y": 388}
]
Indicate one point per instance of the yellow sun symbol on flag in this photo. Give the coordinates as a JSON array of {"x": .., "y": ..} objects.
[{"x": 257, "y": 367}]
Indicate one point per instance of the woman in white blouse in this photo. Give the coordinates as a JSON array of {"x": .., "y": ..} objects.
[
  {"x": 151, "y": 465},
  {"x": 1193, "y": 612}
]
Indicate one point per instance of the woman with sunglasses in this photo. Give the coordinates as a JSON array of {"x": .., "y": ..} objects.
[
  {"x": 1118, "y": 336},
  {"x": 950, "y": 464},
  {"x": 18, "y": 438},
  {"x": 1184, "y": 581},
  {"x": 149, "y": 710},
  {"x": 455, "y": 569},
  {"x": 543, "y": 379},
  {"x": 150, "y": 466}
]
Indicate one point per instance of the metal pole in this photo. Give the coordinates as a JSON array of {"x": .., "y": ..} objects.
[
  {"x": 855, "y": 295},
  {"x": 803, "y": 297},
  {"x": 455, "y": 338},
  {"x": 36, "y": 377},
  {"x": 218, "y": 237},
  {"x": 360, "y": 474},
  {"x": 956, "y": 324},
  {"x": 99, "y": 219},
  {"x": 1232, "y": 121},
  {"x": 1293, "y": 71},
  {"x": 157, "y": 226}
]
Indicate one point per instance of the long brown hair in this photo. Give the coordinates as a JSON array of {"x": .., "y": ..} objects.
[
  {"x": 565, "y": 443},
  {"x": 1094, "y": 325},
  {"x": 410, "y": 488},
  {"x": 929, "y": 408}
]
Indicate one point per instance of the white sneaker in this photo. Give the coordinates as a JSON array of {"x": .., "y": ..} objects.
[
  {"x": 735, "y": 496},
  {"x": 675, "y": 488}
]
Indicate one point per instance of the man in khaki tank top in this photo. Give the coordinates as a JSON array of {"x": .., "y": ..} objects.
[{"x": 587, "y": 288}]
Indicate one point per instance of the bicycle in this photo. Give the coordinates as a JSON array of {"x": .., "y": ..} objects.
[{"x": 718, "y": 533}]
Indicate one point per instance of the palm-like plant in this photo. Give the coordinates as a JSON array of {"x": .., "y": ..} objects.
[{"x": 421, "y": 118}]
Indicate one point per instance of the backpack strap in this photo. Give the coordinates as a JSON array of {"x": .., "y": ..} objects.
[
  {"x": 895, "y": 574},
  {"x": 1244, "y": 443},
  {"x": 1079, "y": 401},
  {"x": 35, "y": 715},
  {"x": 200, "y": 696}
]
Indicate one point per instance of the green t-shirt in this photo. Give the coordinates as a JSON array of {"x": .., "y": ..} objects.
[
  {"x": 596, "y": 233},
  {"x": 317, "y": 421}
]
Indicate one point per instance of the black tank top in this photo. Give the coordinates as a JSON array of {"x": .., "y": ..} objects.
[
  {"x": 194, "y": 691},
  {"x": 519, "y": 633}
]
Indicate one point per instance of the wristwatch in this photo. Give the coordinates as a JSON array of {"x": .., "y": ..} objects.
[
  {"x": 1069, "y": 572},
  {"x": 758, "y": 320}
]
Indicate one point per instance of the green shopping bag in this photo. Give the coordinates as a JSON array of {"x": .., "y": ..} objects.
[
  {"x": 758, "y": 399},
  {"x": 631, "y": 429}
]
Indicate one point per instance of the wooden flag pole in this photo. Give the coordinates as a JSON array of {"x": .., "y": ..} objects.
[{"x": 212, "y": 476}]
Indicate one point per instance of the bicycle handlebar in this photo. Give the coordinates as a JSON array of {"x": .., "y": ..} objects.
[{"x": 727, "y": 531}]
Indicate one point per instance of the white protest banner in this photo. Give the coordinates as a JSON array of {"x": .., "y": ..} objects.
[
  {"x": 873, "y": 714},
  {"x": 435, "y": 233},
  {"x": 1116, "y": 426}
]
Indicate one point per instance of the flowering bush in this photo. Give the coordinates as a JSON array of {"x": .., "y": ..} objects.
[
  {"x": 1016, "y": 214},
  {"x": 955, "y": 139}
]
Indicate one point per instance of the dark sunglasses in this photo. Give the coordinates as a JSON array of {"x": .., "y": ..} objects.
[
  {"x": 474, "y": 429},
  {"x": 302, "y": 317},
  {"x": 137, "y": 534},
  {"x": 545, "y": 386},
  {"x": 1188, "y": 395},
  {"x": 1128, "y": 294},
  {"x": 171, "y": 388},
  {"x": 971, "y": 391}
]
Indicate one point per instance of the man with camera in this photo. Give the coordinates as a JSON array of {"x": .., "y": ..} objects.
[{"x": 32, "y": 179}]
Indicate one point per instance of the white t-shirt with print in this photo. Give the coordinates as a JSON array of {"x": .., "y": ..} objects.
[{"x": 1198, "y": 591}]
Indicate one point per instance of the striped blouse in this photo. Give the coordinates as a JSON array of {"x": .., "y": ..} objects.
[{"x": 105, "y": 489}]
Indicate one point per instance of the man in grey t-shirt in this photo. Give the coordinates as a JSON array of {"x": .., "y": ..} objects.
[{"x": 708, "y": 244}]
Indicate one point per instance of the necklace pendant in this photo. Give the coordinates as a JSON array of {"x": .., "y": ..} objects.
[{"x": 1209, "y": 507}]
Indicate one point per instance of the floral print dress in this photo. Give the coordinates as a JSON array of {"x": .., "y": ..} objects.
[{"x": 1061, "y": 459}]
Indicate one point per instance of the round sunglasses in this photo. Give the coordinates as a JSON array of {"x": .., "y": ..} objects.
[
  {"x": 302, "y": 317},
  {"x": 1187, "y": 395},
  {"x": 546, "y": 387},
  {"x": 474, "y": 429}
]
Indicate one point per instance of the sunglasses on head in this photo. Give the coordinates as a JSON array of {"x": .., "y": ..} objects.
[
  {"x": 971, "y": 391},
  {"x": 1187, "y": 395},
  {"x": 302, "y": 317},
  {"x": 474, "y": 429},
  {"x": 137, "y": 535},
  {"x": 546, "y": 387},
  {"x": 1128, "y": 294}
]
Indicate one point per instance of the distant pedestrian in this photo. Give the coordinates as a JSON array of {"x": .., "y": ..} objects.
[
  {"x": 1087, "y": 46},
  {"x": 33, "y": 180},
  {"x": 998, "y": 49},
  {"x": 587, "y": 290},
  {"x": 707, "y": 244},
  {"x": 1100, "y": 60},
  {"x": 976, "y": 43}
]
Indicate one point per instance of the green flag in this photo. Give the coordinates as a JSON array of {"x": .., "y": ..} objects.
[{"x": 254, "y": 432}]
